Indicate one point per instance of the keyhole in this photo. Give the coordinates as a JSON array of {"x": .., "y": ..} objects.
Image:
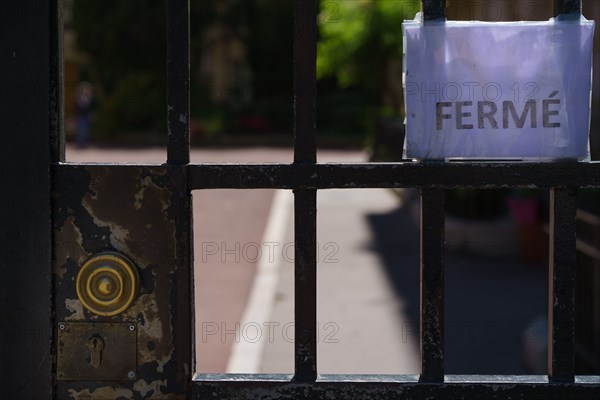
[{"x": 95, "y": 345}]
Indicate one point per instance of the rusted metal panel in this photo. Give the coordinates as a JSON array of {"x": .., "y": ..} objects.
[{"x": 142, "y": 212}]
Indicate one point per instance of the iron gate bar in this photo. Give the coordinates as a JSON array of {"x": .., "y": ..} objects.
[
  {"x": 568, "y": 7},
  {"x": 305, "y": 81},
  {"x": 57, "y": 87},
  {"x": 432, "y": 285},
  {"x": 178, "y": 153},
  {"x": 379, "y": 175},
  {"x": 393, "y": 387},
  {"x": 178, "y": 81},
  {"x": 305, "y": 284},
  {"x": 434, "y": 10},
  {"x": 394, "y": 175},
  {"x": 305, "y": 200},
  {"x": 561, "y": 285}
]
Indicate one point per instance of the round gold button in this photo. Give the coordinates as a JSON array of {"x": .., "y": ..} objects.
[{"x": 107, "y": 284}]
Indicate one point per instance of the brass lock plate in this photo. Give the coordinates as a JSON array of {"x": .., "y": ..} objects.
[{"x": 89, "y": 351}]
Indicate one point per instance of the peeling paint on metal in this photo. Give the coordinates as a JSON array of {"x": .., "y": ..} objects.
[
  {"x": 150, "y": 330},
  {"x": 150, "y": 201},
  {"x": 153, "y": 388},
  {"x": 129, "y": 233},
  {"x": 69, "y": 239},
  {"x": 76, "y": 308},
  {"x": 132, "y": 210},
  {"x": 102, "y": 393},
  {"x": 140, "y": 195}
]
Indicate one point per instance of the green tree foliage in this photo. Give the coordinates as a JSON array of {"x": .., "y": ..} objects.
[{"x": 360, "y": 40}]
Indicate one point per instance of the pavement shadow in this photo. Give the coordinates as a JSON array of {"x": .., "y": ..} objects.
[{"x": 489, "y": 301}]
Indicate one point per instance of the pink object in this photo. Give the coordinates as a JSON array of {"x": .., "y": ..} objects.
[{"x": 524, "y": 210}]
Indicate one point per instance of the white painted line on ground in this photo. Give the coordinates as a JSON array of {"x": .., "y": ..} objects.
[{"x": 246, "y": 355}]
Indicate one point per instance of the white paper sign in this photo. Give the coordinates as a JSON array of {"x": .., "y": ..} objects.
[{"x": 509, "y": 90}]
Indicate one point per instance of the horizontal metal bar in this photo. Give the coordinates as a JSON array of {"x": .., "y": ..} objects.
[
  {"x": 407, "y": 174},
  {"x": 376, "y": 387},
  {"x": 382, "y": 175}
]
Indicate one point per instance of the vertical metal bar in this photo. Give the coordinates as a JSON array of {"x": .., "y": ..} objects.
[
  {"x": 305, "y": 284},
  {"x": 178, "y": 81},
  {"x": 434, "y": 10},
  {"x": 432, "y": 285},
  {"x": 57, "y": 135},
  {"x": 56, "y": 153},
  {"x": 561, "y": 285},
  {"x": 305, "y": 81},
  {"x": 182, "y": 290},
  {"x": 562, "y": 260},
  {"x": 568, "y": 7},
  {"x": 178, "y": 152},
  {"x": 305, "y": 203},
  {"x": 25, "y": 232}
]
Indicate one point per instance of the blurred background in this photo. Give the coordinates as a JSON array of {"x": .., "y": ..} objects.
[{"x": 242, "y": 111}]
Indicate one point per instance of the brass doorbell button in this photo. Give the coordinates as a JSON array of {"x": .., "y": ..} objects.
[{"x": 107, "y": 284}]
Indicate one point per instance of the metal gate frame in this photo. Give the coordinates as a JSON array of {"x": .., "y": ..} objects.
[
  {"x": 305, "y": 176},
  {"x": 35, "y": 32}
]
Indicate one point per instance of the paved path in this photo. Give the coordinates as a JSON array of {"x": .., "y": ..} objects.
[{"x": 361, "y": 320}]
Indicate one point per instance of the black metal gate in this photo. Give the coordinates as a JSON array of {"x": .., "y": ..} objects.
[{"x": 93, "y": 209}]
